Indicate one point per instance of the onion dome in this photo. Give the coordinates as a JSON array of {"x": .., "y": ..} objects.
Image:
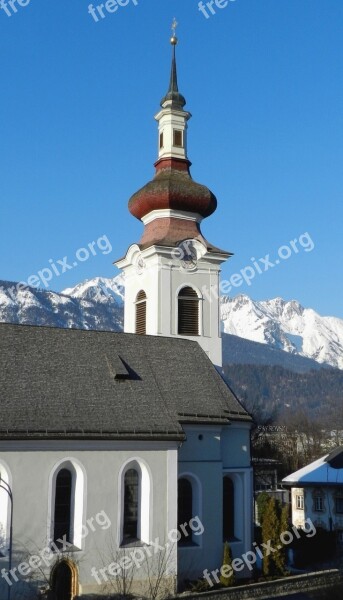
[{"x": 173, "y": 188}]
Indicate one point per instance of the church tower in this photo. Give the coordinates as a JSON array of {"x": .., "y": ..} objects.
[{"x": 172, "y": 274}]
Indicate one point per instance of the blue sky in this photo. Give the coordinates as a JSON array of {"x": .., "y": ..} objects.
[{"x": 263, "y": 80}]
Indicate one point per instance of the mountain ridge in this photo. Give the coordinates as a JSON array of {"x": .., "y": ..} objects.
[{"x": 275, "y": 331}]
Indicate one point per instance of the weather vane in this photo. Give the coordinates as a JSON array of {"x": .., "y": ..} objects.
[{"x": 174, "y": 26}]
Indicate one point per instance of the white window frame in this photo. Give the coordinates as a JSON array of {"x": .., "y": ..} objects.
[
  {"x": 319, "y": 504},
  {"x": 299, "y": 501},
  {"x": 5, "y": 505},
  {"x": 77, "y": 500},
  {"x": 140, "y": 302},
  {"x": 196, "y": 506},
  {"x": 177, "y": 131},
  {"x": 239, "y": 519},
  {"x": 144, "y": 501},
  {"x": 200, "y": 311}
]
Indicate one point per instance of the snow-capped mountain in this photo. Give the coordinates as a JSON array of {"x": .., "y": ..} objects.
[
  {"x": 99, "y": 289},
  {"x": 285, "y": 325},
  {"x": 98, "y": 304},
  {"x": 94, "y": 304}
]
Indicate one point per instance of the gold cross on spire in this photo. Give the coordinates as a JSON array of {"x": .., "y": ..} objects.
[{"x": 174, "y": 26}]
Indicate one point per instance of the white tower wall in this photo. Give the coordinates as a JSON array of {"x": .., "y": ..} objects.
[{"x": 160, "y": 274}]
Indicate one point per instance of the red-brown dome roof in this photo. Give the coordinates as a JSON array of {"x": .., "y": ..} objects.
[{"x": 173, "y": 188}]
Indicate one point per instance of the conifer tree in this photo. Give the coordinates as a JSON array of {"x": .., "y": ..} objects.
[
  {"x": 281, "y": 554},
  {"x": 270, "y": 534},
  {"x": 227, "y": 577},
  {"x": 262, "y": 502}
]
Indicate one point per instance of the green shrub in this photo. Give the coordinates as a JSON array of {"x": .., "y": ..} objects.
[
  {"x": 274, "y": 519},
  {"x": 227, "y": 579},
  {"x": 262, "y": 503}
]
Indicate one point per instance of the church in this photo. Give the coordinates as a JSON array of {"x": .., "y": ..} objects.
[{"x": 125, "y": 457}]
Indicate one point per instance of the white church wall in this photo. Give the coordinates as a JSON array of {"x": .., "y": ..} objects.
[
  {"x": 210, "y": 453},
  {"x": 235, "y": 442},
  {"x": 203, "y": 443},
  {"x": 33, "y": 464},
  {"x": 207, "y": 552},
  {"x": 243, "y": 493}
]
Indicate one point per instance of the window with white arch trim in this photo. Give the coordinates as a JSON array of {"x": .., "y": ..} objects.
[
  {"x": 63, "y": 514},
  {"x": 5, "y": 509},
  {"x": 134, "y": 489},
  {"x": 188, "y": 508},
  {"x": 66, "y": 503},
  {"x": 228, "y": 509},
  {"x": 234, "y": 506},
  {"x": 132, "y": 504},
  {"x": 188, "y": 312}
]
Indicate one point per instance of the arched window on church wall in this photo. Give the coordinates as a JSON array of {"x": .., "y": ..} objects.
[
  {"x": 131, "y": 505},
  {"x": 63, "y": 506},
  {"x": 67, "y": 485},
  {"x": 5, "y": 508},
  {"x": 228, "y": 509},
  {"x": 134, "y": 497}
]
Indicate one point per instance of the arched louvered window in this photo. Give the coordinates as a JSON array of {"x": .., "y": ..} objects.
[
  {"x": 184, "y": 507},
  {"x": 131, "y": 505},
  {"x": 63, "y": 508},
  {"x": 228, "y": 509},
  {"x": 188, "y": 312},
  {"x": 141, "y": 313}
]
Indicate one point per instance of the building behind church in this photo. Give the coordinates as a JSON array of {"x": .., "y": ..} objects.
[{"x": 317, "y": 494}]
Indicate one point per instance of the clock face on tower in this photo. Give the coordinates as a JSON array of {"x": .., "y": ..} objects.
[
  {"x": 140, "y": 264},
  {"x": 188, "y": 256}
]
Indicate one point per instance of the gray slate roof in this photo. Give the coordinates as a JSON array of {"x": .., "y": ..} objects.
[{"x": 68, "y": 383}]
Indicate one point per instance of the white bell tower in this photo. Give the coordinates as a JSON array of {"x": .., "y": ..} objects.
[{"x": 172, "y": 273}]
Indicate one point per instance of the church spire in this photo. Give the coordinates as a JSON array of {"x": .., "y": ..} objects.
[
  {"x": 172, "y": 273},
  {"x": 172, "y": 188},
  {"x": 173, "y": 98},
  {"x": 172, "y": 118}
]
